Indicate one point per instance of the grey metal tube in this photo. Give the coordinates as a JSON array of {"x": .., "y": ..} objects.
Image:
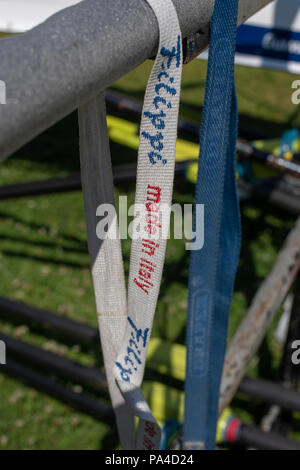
[{"x": 57, "y": 66}]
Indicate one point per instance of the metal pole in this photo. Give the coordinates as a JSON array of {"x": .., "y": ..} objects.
[
  {"x": 253, "y": 437},
  {"x": 265, "y": 304},
  {"x": 58, "y": 325},
  {"x": 289, "y": 373},
  {"x": 82, "y": 333},
  {"x": 271, "y": 192},
  {"x": 44, "y": 384},
  {"x": 90, "y": 377},
  {"x": 64, "y": 62},
  {"x": 247, "y": 435},
  {"x": 269, "y": 392},
  {"x": 94, "y": 378},
  {"x": 122, "y": 174}
]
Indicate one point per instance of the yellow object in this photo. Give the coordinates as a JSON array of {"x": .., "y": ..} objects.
[
  {"x": 167, "y": 358},
  {"x": 191, "y": 172},
  {"x": 288, "y": 155},
  {"x": 296, "y": 146},
  {"x": 126, "y": 133},
  {"x": 165, "y": 401},
  {"x": 222, "y": 423}
]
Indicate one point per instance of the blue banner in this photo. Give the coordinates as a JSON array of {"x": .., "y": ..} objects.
[
  {"x": 272, "y": 37},
  {"x": 278, "y": 44}
]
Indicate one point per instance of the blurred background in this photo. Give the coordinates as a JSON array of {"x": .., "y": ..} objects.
[{"x": 44, "y": 260}]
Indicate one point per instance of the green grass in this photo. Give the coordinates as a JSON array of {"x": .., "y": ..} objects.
[{"x": 44, "y": 259}]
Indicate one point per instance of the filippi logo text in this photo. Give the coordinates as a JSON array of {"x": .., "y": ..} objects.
[{"x": 277, "y": 43}]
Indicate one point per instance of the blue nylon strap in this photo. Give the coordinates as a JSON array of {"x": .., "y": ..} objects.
[{"x": 213, "y": 268}]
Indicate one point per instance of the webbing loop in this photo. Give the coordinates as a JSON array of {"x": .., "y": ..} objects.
[
  {"x": 125, "y": 325},
  {"x": 213, "y": 268}
]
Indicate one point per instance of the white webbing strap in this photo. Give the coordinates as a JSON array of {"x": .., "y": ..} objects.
[
  {"x": 155, "y": 174},
  {"x": 125, "y": 336},
  {"x": 106, "y": 255}
]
